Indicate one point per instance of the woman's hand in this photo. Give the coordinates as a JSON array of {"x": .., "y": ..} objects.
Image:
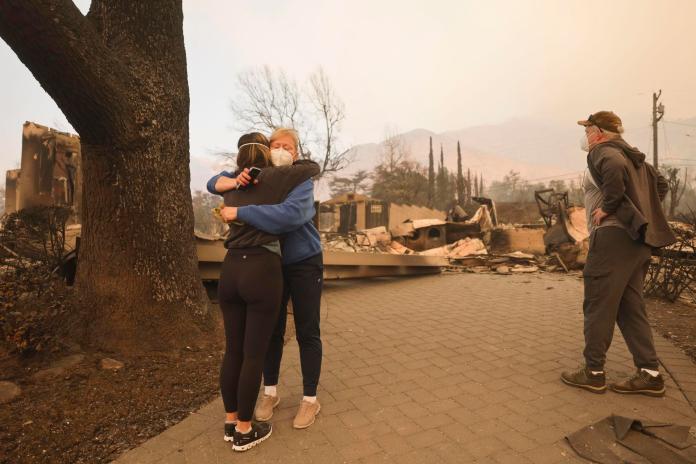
[
  {"x": 243, "y": 179},
  {"x": 228, "y": 213}
]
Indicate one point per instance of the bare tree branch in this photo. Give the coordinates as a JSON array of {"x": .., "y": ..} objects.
[
  {"x": 331, "y": 112},
  {"x": 394, "y": 149},
  {"x": 675, "y": 192},
  {"x": 270, "y": 99}
]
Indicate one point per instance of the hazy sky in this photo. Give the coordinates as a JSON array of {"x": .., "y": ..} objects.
[{"x": 440, "y": 65}]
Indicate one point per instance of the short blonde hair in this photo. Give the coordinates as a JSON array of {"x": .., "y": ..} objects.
[{"x": 282, "y": 131}]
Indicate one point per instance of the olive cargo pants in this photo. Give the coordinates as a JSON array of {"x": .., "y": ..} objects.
[{"x": 614, "y": 274}]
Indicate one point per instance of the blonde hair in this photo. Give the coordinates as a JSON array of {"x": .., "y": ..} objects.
[{"x": 282, "y": 131}]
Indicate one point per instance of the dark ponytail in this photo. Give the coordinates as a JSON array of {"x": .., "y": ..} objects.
[{"x": 253, "y": 151}]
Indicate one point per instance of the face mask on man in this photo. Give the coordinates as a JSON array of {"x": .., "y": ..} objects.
[
  {"x": 281, "y": 157},
  {"x": 584, "y": 143}
]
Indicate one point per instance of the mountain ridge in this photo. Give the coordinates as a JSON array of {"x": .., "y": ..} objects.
[{"x": 534, "y": 148}]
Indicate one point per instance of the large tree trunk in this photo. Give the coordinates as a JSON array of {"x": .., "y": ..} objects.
[{"x": 119, "y": 76}]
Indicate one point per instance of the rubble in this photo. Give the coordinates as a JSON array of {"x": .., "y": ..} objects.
[
  {"x": 421, "y": 234},
  {"x": 111, "y": 364},
  {"x": 467, "y": 254},
  {"x": 672, "y": 270},
  {"x": 69, "y": 361},
  {"x": 346, "y": 244},
  {"x": 573, "y": 255},
  {"x": 374, "y": 237},
  {"x": 567, "y": 235},
  {"x": 48, "y": 374},
  {"x": 9, "y": 392},
  {"x": 483, "y": 218},
  {"x": 519, "y": 255},
  {"x": 460, "y": 249},
  {"x": 478, "y": 244},
  {"x": 395, "y": 248},
  {"x": 525, "y": 239},
  {"x": 524, "y": 269}
]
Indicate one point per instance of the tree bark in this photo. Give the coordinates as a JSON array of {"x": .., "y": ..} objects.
[{"x": 119, "y": 76}]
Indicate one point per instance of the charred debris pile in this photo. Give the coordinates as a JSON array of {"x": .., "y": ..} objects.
[{"x": 475, "y": 242}]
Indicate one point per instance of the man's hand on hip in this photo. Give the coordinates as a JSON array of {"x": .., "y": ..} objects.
[{"x": 598, "y": 216}]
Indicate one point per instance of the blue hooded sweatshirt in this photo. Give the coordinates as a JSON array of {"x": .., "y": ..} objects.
[{"x": 292, "y": 218}]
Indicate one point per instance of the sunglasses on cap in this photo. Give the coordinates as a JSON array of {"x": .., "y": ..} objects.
[{"x": 592, "y": 122}]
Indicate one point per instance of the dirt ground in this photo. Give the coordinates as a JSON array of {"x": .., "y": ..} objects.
[
  {"x": 91, "y": 415},
  {"x": 676, "y": 322},
  {"x": 71, "y": 410}
]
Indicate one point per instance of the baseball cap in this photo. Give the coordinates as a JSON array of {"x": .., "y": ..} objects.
[{"x": 606, "y": 120}]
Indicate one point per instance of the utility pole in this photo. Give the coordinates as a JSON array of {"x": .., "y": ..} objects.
[{"x": 658, "y": 111}]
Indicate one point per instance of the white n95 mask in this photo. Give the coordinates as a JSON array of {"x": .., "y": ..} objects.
[{"x": 281, "y": 157}]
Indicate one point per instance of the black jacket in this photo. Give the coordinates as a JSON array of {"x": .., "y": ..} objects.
[{"x": 274, "y": 185}]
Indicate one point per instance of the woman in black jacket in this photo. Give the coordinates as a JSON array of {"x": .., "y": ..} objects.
[{"x": 250, "y": 286}]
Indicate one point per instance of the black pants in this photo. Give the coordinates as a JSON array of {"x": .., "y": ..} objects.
[
  {"x": 303, "y": 283},
  {"x": 614, "y": 275},
  {"x": 250, "y": 292}
]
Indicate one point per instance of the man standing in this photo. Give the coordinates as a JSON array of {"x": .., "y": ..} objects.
[
  {"x": 623, "y": 197},
  {"x": 303, "y": 277}
]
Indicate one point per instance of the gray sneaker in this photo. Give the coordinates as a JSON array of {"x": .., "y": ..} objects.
[
  {"x": 585, "y": 379},
  {"x": 641, "y": 383},
  {"x": 264, "y": 410}
]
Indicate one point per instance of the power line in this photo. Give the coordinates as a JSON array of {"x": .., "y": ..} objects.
[
  {"x": 682, "y": 165},
  {"x": 554, "y": 177},
  {"x": 664, "y": 132},
  {"x": 559, "y": 176},
  {"x": 680, "y": 123}
]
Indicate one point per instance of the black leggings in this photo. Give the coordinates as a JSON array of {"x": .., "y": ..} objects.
[
  {"x": 303, "y": 283},
  {"x": 250, "y": 291}
]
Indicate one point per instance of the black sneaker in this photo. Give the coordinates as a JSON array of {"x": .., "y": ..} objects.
[
  {"x": 585, "y": 379},
  {"x": 229, "y": 430},
  {"x": 259, "y": 432},
  {"x": 641, "y": 383}
]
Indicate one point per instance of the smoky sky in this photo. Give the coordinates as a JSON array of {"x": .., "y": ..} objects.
[{"x": 440, "y": 65}]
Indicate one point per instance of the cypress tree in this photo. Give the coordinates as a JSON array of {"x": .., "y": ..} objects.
[
  {"x": 441, "y": 192},
  {"x": 469, "y": 190},
  {"x": 460, "y": 176},
  {"x": 442, "y": 158},
  {"x": 431, "y": 176}
]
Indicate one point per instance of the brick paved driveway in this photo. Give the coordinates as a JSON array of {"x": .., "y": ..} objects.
[{"x": 450, "y": 368}]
